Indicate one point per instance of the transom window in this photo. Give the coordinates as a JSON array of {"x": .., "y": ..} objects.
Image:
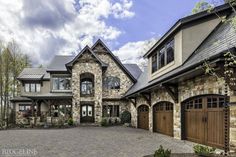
[
  {"x": 111, "y": 82},
  {"x": 32, "y": 87},
  {"x": 163, "y": 57},
  {"x": 163, "y": 106},
  {"x": 110, "y": 110},
  {"x": 61, "y": 83}
]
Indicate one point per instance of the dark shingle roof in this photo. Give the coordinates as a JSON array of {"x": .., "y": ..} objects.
[
  {"x": 221, "y": 39},
  {"x": 58, "y": 63},
  {"x": 134, "y": 70},
  {"x": 34, "y": 74}
]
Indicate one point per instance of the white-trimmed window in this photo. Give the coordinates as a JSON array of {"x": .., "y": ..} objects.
[{"x": 32, "y": 87}]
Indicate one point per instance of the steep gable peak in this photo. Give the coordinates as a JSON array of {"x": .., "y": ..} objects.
[{"x": 86, "y": 49}]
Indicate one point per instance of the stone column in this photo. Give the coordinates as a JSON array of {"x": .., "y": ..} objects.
[{"x": 177, "y": 120}]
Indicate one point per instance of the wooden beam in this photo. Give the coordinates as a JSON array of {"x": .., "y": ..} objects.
[
  {"x": 172, "y": 90},
  {"x": 133, "y": 101},
  {"x": 147, "y": 97}
]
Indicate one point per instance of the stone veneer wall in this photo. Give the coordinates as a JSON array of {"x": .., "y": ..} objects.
[
  {"x": 114, "y": 70},
  {"x": 87, "y": 65},
  {"x": 198, "y": 86}
]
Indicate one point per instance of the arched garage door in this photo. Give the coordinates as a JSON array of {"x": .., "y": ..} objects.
[
  {"x": 204, "y": 120},
  {"x": 163, "y": 118},
  {"x": 143, "y": 117}
]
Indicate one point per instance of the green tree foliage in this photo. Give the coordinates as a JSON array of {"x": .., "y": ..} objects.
[
  {"x": 12, "y": 62},
  {"x": 201, "y": 6}
]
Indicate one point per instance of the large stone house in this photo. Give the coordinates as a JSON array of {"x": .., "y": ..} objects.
[
  {"x": 173, "y": 96},
  {"x": 84, "y": 87}
]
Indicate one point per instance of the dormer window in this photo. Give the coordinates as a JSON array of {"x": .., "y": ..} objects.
[
  {"x": 163, "y": 57},
  {"x": 154, "y": 63}
]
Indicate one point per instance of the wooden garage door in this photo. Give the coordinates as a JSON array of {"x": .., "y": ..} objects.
[
  {"x": 204, "y": 120},
  {"x": 143, "y": 117},
  {"x": 163, "y": 118}
]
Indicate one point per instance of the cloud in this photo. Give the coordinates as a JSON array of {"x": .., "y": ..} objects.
[
  {"x": 45, "y": 28},
  {"x": 132, "y": 52}
]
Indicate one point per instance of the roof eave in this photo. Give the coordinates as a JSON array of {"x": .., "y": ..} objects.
[{"x": 169, "y": 78}]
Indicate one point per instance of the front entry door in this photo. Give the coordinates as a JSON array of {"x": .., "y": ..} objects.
[{"x": 87, "y": 113}]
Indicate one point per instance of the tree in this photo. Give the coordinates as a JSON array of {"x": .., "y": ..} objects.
[
  {"x": 201, "y": 6},
  {"x": 225, "y": 71},
  {"x": 12, "y": 62}
]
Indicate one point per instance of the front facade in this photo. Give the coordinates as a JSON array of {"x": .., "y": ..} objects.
[
  {"x": 173, "y": 96},
  {"x": 85, "y": 87}
]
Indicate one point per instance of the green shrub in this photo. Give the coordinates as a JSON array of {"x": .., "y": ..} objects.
[
  {"x": 70, "y": 122},
  {"x": 203, "y": 150},
  {"x": 104, "y": 122},
  {"x": 161, "y": 152},
  {"x": 125, "y": 117}
]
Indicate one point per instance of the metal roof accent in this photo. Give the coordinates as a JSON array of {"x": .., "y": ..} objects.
[{"x": 34, "y": 74}]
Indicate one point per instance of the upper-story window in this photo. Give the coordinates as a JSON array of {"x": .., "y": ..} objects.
[
  {"x": 32, "y": 87},
  {"x": 111, "y": 82},
  {"x": 164, "y": 57},
  {"x": 154, "y": 63},
  {"x": 61, "y": 83},
  {"x": 86, "y": 84}
]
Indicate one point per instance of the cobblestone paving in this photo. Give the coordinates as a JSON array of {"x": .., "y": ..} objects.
[{"x": 90, "y": 142}]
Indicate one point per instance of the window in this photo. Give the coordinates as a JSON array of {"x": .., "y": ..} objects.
[
  {"x": 161, "y": 58},
  {"x": 110, "y": 110},
  {"x": 32, "y": 87},
  {"x": 170, "y": 52},
  {"x": 24, "y": 108},
  {"x": 86, "y": 86},
  {"x": 154, "y": 63},
  {"x": 61, "y": 83},
  {"x": 111, "y": 82},
  {"x": 165, "y": 56}
]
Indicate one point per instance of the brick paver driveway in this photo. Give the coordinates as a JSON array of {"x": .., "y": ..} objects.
[{"x": 91, "y": 142}]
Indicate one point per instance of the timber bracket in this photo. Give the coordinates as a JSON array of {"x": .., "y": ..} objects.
[
  {"x": 172, "y": 90},
  {"x": 147, "y": 97}
]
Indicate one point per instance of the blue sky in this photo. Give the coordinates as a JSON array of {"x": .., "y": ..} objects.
[
  {"x": 43, "y": 29},
  {"x": 152, "y": 19}
]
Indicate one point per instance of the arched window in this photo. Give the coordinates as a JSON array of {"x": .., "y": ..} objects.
[
  {"x": 87, "y": 84},
  {"x": 111, "y": 82}
]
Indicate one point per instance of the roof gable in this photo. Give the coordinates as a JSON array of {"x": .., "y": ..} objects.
[
  {"x": 86, "y": 49},
  {"x": 99, "y": 46}
]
